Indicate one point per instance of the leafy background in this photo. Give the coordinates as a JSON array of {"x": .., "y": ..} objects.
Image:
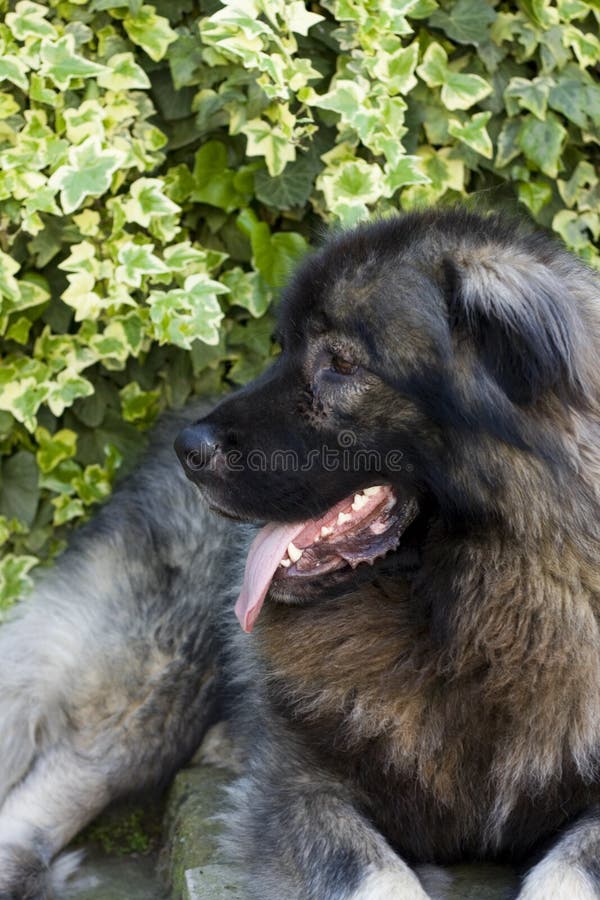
[{"x": 163, "y": 165}]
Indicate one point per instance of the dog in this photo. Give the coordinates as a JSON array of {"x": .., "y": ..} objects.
[{"x": 416, "y": 678}]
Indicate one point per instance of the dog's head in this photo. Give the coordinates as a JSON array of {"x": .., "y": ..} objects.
[{"x": 420, "y": 357}]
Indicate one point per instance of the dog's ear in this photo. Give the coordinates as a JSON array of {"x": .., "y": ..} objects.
[{"x": 522, "y": 319}]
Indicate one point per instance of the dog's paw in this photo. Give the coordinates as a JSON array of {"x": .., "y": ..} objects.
[
  {"x": 390, "y": 884},
  {"x": 555, "y": 879},
  {"x": 25, "y": 876}
]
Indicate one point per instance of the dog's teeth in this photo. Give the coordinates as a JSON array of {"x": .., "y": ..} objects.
[
  {"x": 326, "y": 531},
  {"x": 286, "y": 563},
  {"x": 370, "y": 492},
  {"x": 294, "y": 552},
  {"x": 343, "y": 518},
  {"x": 360, "y": 500}
]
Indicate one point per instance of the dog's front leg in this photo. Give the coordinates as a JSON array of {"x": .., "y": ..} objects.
[
  {"x": 571, "y": 869},
  {"x": 303, "y": 838}
]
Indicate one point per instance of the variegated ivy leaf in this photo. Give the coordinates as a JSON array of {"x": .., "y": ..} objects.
[
  {"x": 269, "y": 141},
  {"x": 9, "y": 286},
  {"x": 149, "y": 30},
  {"x": 14, "y": 70},
  {"x": 54, "y": 448},
  {"x": 88, "y": 173},
  {"x": 62, "y": 64},
  {"x": 350, "y": 187},
  {"x": 138, "y": 260},
  {"x": 29, "y": 21},
  {"x": 247, "y": 289},
  {"x": 396, "y": 69},
  {"x": 14, "y": 580},
  {"x": 407, "y": 170},
  {"x": 148, "y": 201},
  {"x": 124, "y": 74},
  {"x": 81, "y": 296},
  {"x": 298, "y": 18},
  {"x": 67, "y": 387},
  {"x": 531, "y": 95},
  {"x": 473, "y": 133},
  {"x": 138, "y": 405},
  {"x": 183, "y": 315},
  {"x": 459, "y": 90},
  {"x": 85, "y": 121}
]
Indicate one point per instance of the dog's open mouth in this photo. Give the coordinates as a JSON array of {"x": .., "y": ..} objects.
[{"x": 356, "y": 531}]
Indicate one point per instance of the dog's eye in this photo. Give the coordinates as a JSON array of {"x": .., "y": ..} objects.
[{"x": 342, "y": 366}]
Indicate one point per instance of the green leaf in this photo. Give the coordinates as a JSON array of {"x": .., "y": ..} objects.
[
  {"x": 9, "y": 286},
  {"x": 468, "y": 22},
  {"x": 459, "y": 90},
  {"x": 14, "y": 70},
  {"x": 148, "y": 201},
  {"x": 138, "y": 405},
  {"x": 275, "y": 255},
  {"x": 183, "y": 257},
  {"x": 535, "y": 195},
  {"x": 576, "y": 229},
  {"x": 123, "y": 74},
  {"x": 29, "y": 21},
  {"x": 572, "y": 96},
  {"x": 62, "y": 64},
  {"x": 508, "y": 147},
  {"x": 66, "y": 509},
  {"x": 408, "y": 170},
  {"x": 138, "y": 260},
  {"x": 473, "y": 133},
  {"x": 582, "y": 184},
  {"x": 14, "y": 581},
  {"x": 20, "y": 491},
  {"x": 150, "y": 32},
  {"x": 530, "y": 95},
  {"x": 67, "y": 387},
  {"x": 271, "y": 142},
  {"x": 299, "y": 18},
  {"x": 88, "y": 173},
  {"x": 434, "y": 66},
  {"x": 19, "y": 330},
  {"x": 352, "y": 184},
  {"x": 54, "y": 448},
  {"x": 181, "y": 316},
  {"x": 214, "y": 182},
  {"x": 293, "y": 187},
  {"x": 272, "y": 255},
  {"x": 586, "y": 46},
  {"x": 542, "y": 143},
  {"x": 396, "y": 69},
  {"x": 247, "y": 289},
  {"x": 462, "y": 91}
]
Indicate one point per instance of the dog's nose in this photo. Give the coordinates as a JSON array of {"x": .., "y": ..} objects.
[{"x": 196, "y": 445}]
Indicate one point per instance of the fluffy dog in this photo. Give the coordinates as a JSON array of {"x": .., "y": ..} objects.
[{"x": 422, "y": 680}]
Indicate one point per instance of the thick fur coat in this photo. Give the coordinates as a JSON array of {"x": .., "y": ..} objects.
[{"x": 437, "y": 704}]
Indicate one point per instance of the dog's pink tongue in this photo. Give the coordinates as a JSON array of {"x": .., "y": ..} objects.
[{"x": 266, "y": 551}]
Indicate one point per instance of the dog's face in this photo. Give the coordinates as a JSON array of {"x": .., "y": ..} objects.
[{"x": 406, "y": 347}]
